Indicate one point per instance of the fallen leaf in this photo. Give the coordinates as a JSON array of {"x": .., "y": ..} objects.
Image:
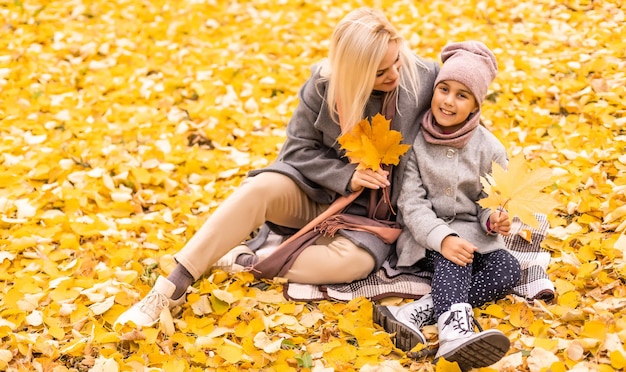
[
  {"x": 527, "y": 235},
  {"x": 518, "y": 190},
  {"x": 166, "y": 322}
]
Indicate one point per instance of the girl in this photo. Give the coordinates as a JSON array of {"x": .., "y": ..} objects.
[
  {"x": 369, "y": 70},
  {"x": 444, "y": 226}
]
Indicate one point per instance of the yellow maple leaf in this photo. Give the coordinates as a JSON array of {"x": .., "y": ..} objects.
[
  {"x": 518, "y": 190},
  {"x": 522, "y": 315},
  {"x": 371, "y": 144},
  {"x": 231, "y": 352},
  {"x": 617, "y": 359},
  {"x": 594, "y": 329},
  {"x": 444, "y": 366}
]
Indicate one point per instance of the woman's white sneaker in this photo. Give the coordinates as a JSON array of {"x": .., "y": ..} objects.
[{"x": 146, "y": 312}]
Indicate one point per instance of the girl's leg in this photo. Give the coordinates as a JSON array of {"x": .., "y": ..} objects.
[
  {"x": 492, "y": 276},
  {"x": 456, "y": 290},
  {"x": 450, "y": 283},
  {"x": 268, "y": 196},
  {"x": 331, "y": 261},
  {"x": 495, "y": 275}
]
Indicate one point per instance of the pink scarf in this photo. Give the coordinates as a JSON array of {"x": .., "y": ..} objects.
[{"x": 458, "y": 139}]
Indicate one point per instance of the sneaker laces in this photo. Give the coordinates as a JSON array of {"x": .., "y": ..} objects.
[
  {"x": 460, "y": 321},
  {"x": 423, "y": 315},
  {"x": 154, "y": 303},
  {"x": 470, "y": 315}
]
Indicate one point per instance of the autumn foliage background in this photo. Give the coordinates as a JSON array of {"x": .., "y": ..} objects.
[{"x": 125, "y": 123}]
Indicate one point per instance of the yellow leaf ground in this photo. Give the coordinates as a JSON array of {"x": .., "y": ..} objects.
[{"x": 124, "y": 123}]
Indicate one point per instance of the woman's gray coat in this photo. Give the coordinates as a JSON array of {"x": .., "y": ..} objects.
[{"x": 312, "y": 157}]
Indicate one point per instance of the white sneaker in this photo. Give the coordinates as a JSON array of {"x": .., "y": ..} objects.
[
  {"x": 227, "y": 262},
  {"x": 459, "y": 342},
  {"x": 146, "y": 312},
  {"x": 406, "y": 321}
]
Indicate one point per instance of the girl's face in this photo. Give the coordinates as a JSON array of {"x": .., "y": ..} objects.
[
  {"x": 452, "y": 104},
  {"x": 388, "y": 73}
]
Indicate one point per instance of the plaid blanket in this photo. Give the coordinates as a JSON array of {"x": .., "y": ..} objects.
[{"x": 389, "y": 281}]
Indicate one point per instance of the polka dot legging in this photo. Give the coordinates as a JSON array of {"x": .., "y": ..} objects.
[{"x": 490, "y": 277}]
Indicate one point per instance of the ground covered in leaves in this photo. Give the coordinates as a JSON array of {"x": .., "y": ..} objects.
[{"x": 124, "y": 123}]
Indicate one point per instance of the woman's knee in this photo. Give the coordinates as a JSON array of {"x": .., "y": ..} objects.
[
  {"x": 331, "y": 261},
  {"x": 353, "y": 262},
  {"x": 269, "y": 184}
]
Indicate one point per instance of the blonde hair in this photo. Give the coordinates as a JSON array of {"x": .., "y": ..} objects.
[{"x": 358, "y": 45}]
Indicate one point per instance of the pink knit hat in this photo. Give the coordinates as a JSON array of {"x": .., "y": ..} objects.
[{"x": 470, "y": 63}]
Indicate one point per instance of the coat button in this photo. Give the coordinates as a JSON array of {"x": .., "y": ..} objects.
[
  {"x": 449, "y": 191},
  {"x": 450, "y": 153}
]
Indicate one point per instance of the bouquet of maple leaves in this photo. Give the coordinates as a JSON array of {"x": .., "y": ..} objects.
[{"x": 372, "y": 145}]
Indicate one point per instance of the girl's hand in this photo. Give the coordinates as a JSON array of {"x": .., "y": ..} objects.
[
  {"x": 500, "y": 223},
  {"x": 458, "y": 250},
  {"x": 368, "y": 178}
]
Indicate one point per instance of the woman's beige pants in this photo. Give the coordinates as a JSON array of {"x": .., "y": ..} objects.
[{"x": 274, "y": 197}]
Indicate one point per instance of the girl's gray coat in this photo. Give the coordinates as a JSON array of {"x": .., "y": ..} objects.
[
  {"x": 312, "y": 157},
  {"x": 439, "y": 195}
]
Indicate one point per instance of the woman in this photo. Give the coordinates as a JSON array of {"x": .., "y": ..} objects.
[{"x": 370, "y": 70}]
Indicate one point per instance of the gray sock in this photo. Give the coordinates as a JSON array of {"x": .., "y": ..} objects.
[{"x": 182, "y": 279}]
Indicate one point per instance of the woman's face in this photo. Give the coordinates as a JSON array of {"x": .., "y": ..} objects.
[{"x": 388, "y": 73}]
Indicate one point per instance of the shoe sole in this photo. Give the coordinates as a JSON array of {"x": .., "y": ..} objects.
[
  {"x": 405, "y": 338},
  {"x": 482, "y": 351}
]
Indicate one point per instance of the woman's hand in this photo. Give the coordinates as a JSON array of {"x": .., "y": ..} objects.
[
  {"x": 500, "y": 223},
  {"x": 368, "y": 178},
  {"x": 458, "y": 250}
]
